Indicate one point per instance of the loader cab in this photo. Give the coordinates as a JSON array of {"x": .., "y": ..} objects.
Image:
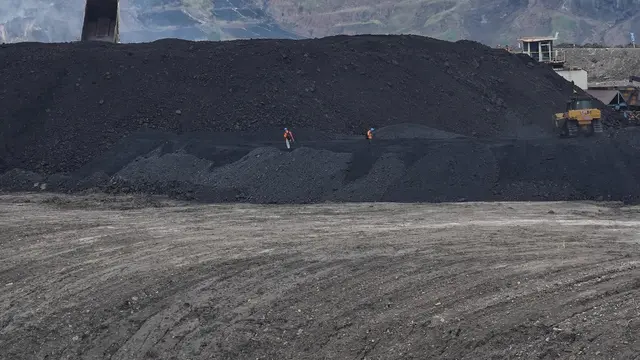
[{"x": 579, "y": 104}]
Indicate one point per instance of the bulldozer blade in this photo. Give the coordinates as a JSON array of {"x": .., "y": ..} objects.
[{"x": 101, "y": 21}]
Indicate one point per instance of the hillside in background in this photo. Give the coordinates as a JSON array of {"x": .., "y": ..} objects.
[
  {"x": 488, "y": 21},
  {"x": 141, "y": 20},
  {"x": 606, "y": 64}
]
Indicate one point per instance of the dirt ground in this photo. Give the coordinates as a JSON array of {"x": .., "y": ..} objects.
[{"x": 98, "y": 277}]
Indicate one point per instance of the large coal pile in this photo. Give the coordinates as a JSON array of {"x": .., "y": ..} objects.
[{"x": 63, "y": 104}]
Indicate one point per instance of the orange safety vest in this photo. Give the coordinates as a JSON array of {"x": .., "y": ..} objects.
[
  {"x": 369, "y": 135},
  {"x": 288, "y": 135}
]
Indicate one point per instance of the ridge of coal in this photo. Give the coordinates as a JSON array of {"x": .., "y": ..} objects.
[
  {"x": 193, "y": 167},
  {"x": 64, "y": 104}
]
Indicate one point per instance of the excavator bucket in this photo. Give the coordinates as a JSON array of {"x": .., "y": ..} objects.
[{"x": 101, "y": 21}]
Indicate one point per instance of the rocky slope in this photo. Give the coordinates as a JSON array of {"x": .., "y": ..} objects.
[
  {"x": 491, "y": 22},
  {"x": 496, "y": 21},
  {"x": 605, "y": 64}
]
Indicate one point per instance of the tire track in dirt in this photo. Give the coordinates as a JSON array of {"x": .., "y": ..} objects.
[{"x": 380, "y": 281}]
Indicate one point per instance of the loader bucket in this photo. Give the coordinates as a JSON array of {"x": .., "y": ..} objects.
[{"x": 101, "y": 21}]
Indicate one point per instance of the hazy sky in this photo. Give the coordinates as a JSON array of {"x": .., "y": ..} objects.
[{"x": 62, "y": 19}]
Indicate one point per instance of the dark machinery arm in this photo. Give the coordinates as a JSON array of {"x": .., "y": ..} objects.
[{"x": 101, "y": 21}]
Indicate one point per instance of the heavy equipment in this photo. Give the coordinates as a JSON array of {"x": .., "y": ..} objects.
[
  {"x": 101, "y": 21},
  {"x": 580, "y": 116}
]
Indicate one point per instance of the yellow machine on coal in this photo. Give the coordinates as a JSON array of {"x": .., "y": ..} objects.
[
  {"x": 581, "y": 116},
  {"x": 101, "y": 21}
]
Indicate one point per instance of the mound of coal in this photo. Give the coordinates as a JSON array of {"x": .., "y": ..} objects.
[
  {"x": 265, "y": 175},
  {"x": 413, "y": 131},
  {"x": 63, "y": 104},
  {"x": 393, "y": 170}
]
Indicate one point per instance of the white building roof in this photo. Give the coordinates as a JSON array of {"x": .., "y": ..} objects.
[
  {"x": 606, "y": 96},
  {"x": 536, "y": 38}
]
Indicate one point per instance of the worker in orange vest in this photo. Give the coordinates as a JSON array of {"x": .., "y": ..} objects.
[
  {"x": 288, "y": 138},
  {"x": 370, "y": 134}
]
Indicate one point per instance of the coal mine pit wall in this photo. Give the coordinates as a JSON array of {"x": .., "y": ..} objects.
[
  {"x": 398, "y": 170},
  {"x": 605, "y": 64}
]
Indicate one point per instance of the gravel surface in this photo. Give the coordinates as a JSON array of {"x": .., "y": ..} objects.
[
  {"x": 63, "y": 104},
  {"x": 142, "y": 278}
]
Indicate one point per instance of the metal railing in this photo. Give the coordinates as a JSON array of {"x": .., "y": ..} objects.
[{"x": 557, "y": 55}]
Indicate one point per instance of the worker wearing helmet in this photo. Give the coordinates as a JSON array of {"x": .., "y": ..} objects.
[
  {"x": 288, "y": 138},
  {"x": 370, "y": 134}
]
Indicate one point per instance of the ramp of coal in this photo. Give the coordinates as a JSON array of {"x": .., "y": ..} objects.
[{"x": 193, "y": 167}]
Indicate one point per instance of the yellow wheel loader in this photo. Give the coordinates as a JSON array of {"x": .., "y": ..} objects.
[
  {"x": 101, "y": 21},
  {"x": 580, "y": 116}
]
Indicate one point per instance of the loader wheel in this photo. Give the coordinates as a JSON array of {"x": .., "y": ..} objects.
[
  {"x": 564, "y": 132},
  {"x": 572, "y": 128},
  {"x": 596, "y": 126},
  {"x": 588, "y": 130}
]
